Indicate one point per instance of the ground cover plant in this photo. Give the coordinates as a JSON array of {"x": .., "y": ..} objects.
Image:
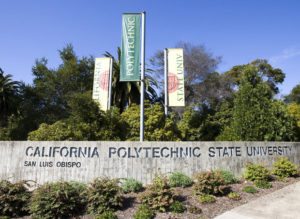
[
  {"x": 14, "y": 198},
  {"x": 178, "y": 179},
  {"x": 59, "y": 200},
  {"x": 144, "y": 212},
  {"x": 131, "y": 185},
  {"x": 158, "y": 196},
  {"x": 250, "y": 189},
  {"x": 284, "y": 168},
  {"x": 210, "y": 182},
  {"x": 103, "y": 198},
  {"x": 254, "y": 172},
  {"x": 104, "y": 194},
  {"x": 228, "y": 176}
]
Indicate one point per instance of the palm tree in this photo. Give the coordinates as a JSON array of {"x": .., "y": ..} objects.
[
  {"x": 8, "y": 92},
  {"x": 126, "y": 93}
]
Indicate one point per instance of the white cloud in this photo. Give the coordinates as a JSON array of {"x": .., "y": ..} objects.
[{"x": 286, "y": 54}]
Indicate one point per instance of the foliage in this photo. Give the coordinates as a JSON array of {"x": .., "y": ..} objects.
[
  {"x": 106, "y": 215},
  {"x": 272, "y": 76},
  {"x": 194, "y": 209},
  {"x": 104, "y": 195},
  {"x": 131, "y": 185},
  {"x": 294, "y": 96},
  {"x": 157, "y": 126},
  {"x": 8, "y": 97},
  {"x": 209, "y": 182},
  {"x": 144, "y": 212},
  {"x": 255, "y": 172},
  {"x": 262, "y": 184},
  {"x": 158, "y": 195},
  {"x": 256, "y": 116},
  {"x": 250, "y": 189},
  {"x": 284, "y": 168},
  {"x": 177, "y": 207},
  {"x": 234, "y": 196},
  {"x": 124, "y": 94},
  {"x": 14, "y": 198},
  {"x": 228, "y": 176},
  {"x": 58, "y": 200},
  {"x": 178, "y": 179},
  {"x": 198, "y": 64},
  {"x": 207, "y": 198}
]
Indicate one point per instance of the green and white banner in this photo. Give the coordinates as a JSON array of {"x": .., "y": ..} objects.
[
  {"x": 131, "y": 47},
  {"x": 175, "y": 77},
  {"x": 101, "y": 82}
]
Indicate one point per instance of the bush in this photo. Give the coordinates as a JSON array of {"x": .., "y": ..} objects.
[
  {"x": 206, "y": 198},
  {"x": 107, "y": 215},
  {"x": 131, "y": 185},
  {"x": 234, "y": 196},
  {"x": 58, "y": 200},
  {"x": 144, "y": 212},
  {"x": 256, "y": 172},
  {"x": 250, "y": 189},
  {"x": 209, "y": 183},
  {"x": 178, "y": 179},
  {"x": 104, "y": 195},
  {"x": 262, "y": 184},
  {"x": 14, "y": 198},
  {"x": 194, "y": 209},
  {"x": 177, "y": 207},
  {"x": 228, "y": 177},
  {"x": 284, "y": 168},
  {"x": 158, "y": 196}
]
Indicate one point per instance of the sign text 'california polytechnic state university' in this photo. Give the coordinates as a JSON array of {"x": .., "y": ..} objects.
[
  {"x": 131, "y": 47},
  {"x": 84, "y": 161}
]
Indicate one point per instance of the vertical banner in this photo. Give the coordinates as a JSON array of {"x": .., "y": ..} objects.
[
  {"x": 175, "y": 77},
  {"x": 131, "y": 47},
  {"x": 101, "y": 82}
]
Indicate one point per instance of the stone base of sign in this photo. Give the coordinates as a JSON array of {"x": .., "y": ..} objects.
[{"x": 85, "y": 160}]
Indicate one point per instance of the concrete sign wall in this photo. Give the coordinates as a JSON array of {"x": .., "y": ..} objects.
[{"x": 84, "y": 161}]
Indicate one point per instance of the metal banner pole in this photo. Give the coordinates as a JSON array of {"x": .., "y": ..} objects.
[
  {"x": 142, "y": 78},
  {"x": 110, "y": 82},
  {"x": 166, "y": 80}
]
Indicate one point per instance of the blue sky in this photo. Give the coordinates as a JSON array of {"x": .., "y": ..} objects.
[{"x": 238, "y": 30}]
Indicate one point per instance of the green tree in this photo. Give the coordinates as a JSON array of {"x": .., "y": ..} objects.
[
  {"x": 256, "y": 116},
  {"x": 125, "y": 94},
  {"x": 157, "y": 126},
  {"x": 9, "y": 90},
  {"x": 199, "y": 63},
  {"x": 294, "y": 96},
  {"x": 271, "y": 76},
  {"x": 54, "y": 87}
]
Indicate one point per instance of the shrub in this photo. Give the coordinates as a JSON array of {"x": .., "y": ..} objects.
[
  {"x": 209, "y": 183},
  {"x": 250, "y": 189},
  {"x": 235, "y": 196},
  {"x": 158, "y": 196},
  {"x": 178, "y": 179},
  {"x": 131, "y": 185},
  {"x": 14, "y": 198},
  {"x": 206, "y": 198},
  {"x": 255, "y": 172},
  {"x": 228, "y": 177},
  {"x": 144, "y": 212},
  {"x": 262, "y": 184},
  {"x": 107, "y": 215},
  {"x": 194, "y": 209},
  {"x": 284, "y": 168},
  {"x": 58, "y": 200},
  {"x": 104, "y": 195},
  {"x": 177, "y": 207}
]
